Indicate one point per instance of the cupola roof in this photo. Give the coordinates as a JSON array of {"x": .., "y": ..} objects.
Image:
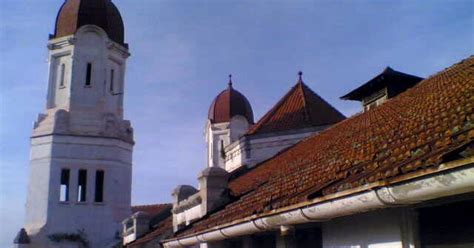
[
  {"x": 230, "y": 103},
  {"x": 102, "y": 13}
]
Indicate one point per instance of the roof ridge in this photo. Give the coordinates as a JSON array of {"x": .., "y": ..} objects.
[
  {"x": 306, "y": 110},
  {"x": 449, "y": 67},
  {"x": 271, "y": 112}
]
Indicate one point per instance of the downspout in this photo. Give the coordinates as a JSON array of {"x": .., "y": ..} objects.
[{"x": 452, "y": 183}]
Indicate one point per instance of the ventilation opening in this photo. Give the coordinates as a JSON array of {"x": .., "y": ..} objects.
[
  {"x": 89, "y": 74},
  {"x": 112, "y": 80},
  {"x": 62, "y": 75},
  {"x": 99, "y": 186},
  {"x": 64, "y": 187},
  {"x": 82, "y": 186},
  {"x": 222, "y": 149}
]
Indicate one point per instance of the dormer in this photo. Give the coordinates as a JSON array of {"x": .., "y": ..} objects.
[
  {"x": 384, "y": 86},
  {"x": 135, "y": 226}
]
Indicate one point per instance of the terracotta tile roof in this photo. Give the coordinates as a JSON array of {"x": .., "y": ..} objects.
[
  {"x": 299, "y": 108},
  {"x": 417, "y": 130},
  {"x": 154, "y": 209},
  {"x": 161, "y": 231}
]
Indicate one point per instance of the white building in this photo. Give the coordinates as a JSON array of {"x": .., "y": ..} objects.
[
  {"x": 236, "y": 145},
  {"x": 81, "y": 146},
  {"x": 398, "y": 175}
]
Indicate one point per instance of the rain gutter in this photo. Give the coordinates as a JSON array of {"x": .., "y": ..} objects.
[{"x": 448, "y": 183}]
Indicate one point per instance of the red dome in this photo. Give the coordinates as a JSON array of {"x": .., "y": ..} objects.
[
  {"x": 77, "y": 13},
  {"x": 228, "y": 104}
]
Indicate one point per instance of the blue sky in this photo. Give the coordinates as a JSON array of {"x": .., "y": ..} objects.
[{"x": 182, "y": 52}]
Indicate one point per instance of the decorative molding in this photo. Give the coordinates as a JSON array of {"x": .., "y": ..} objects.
[{"x": 71, "y": 40}]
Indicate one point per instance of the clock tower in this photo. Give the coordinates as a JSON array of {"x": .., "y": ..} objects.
[{"x": 81, "y": 147}]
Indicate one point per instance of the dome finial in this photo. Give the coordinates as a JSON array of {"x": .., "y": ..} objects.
[
  {"x": 300, "y": 77},
  {"x": 230, "y": 80}
]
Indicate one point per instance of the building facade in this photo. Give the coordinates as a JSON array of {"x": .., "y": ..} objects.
[
  {"x": 236, "y": 145},
  {"x": 400, "y": 174},
  {"x": 397, "y": 175},
  {"x": 81, "y": 147}
]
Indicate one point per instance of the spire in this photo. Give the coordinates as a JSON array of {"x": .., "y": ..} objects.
[
  {"x": 300, "y": 77},
  {"x": 230, "y": 80}
]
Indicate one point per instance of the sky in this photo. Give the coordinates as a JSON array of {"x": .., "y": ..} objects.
[{"x": 182, "y": 53}]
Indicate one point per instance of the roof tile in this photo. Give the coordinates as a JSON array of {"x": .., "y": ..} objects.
[
  {"x": 418, "y": 129},
  {"x": 163, "y": 230},
  {"x": 299, "y": 108}
]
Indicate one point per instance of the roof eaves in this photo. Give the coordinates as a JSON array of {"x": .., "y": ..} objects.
[
  {"x": 435, "y": 163},
  {"x": 352, "y": 95},
  {"x": 442, "y": 168}
]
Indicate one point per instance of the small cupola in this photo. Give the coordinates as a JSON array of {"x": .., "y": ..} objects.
[
  {"x": 230, "y": 103},
  {"x": 384, "y": 86},
  {"x": 77, "y": 13}
]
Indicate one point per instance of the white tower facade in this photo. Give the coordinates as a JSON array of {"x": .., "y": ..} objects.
[{"x": 81, "y": 147}]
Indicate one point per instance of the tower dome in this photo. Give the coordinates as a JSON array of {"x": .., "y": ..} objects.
[
  {"x": 230, "y": 103},
  {"x": 102, "y": 13}
]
